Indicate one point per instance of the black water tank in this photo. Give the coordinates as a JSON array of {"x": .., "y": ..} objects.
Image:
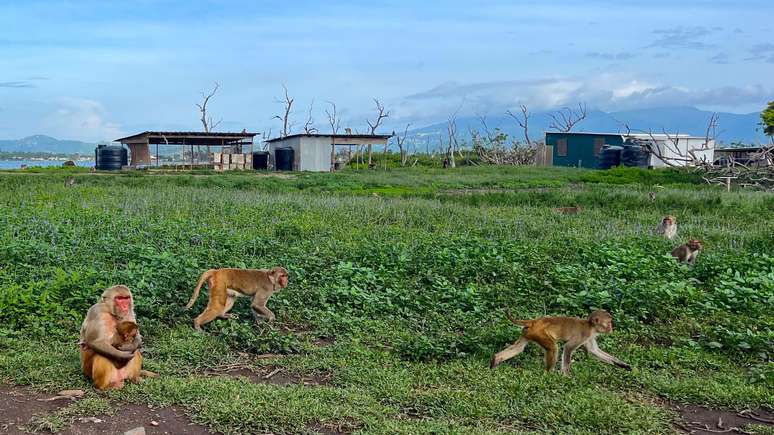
[
  {"x": 260, "y": 160},
  {"x": 634, "y": 155},
  {"x": 283, "y": 159},
  {"x": 110, "y": 158},
  {"x": 609, "y": 156}
]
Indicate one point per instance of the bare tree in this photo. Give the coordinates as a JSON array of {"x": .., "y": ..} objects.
[
  {"x": 333, "y": 119},
  {"x": 565, "y": 119},
  {"x": 523, "y": 121},
  {"x": 381, "y": 114},
  {"x": 285, "y": 117},
  {"x": 309, "y": 124},
  {"x": 401, "y": 140},
  {"x": 206, "y": 120},
  {"x": 451, "y": 130}
]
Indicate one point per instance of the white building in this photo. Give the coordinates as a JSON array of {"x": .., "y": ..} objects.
[
  {"x": 315, "y": 152},
  {"x": 677, "y": 149}
]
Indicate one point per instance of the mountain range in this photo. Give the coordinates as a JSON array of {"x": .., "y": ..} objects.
[
  {"x": 731, "y": 127},
  {"x": 46, "y": 144}
]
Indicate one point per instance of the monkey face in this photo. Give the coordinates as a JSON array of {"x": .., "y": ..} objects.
[
  {"x": 695, "y": 244},
  {"x": 280, "y": 277},
  {"x": 602, "y": 321},
  {"x": 668, "y": 220},
  {"x": 122, "y": 303}
]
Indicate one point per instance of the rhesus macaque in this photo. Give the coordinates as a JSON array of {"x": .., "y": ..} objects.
[
  {"x": 569, "y": 210},
  {"x": 652, "y": 196},
  {"x": 667, "y": 227},
  {"x": 128, "y": 337},
  {"x": 70, "y": 182},
  {"x": 105, "y": 365},
  {"x": 688, "y": 251},
  {"x": 227, "y": 284},
  {"x": 574, "y": 332}
]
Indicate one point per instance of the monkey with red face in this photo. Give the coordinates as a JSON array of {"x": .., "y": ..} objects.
[{"x": 101, "y": 362}]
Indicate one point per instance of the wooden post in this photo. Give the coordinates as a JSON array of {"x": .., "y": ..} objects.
[{"x": 157, "y": 155}]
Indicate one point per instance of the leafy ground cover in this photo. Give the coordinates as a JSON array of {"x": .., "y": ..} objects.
[{"x": 399, "y": 282}]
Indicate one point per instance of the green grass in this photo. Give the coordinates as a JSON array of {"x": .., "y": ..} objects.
[{"x": 411, "y": 283}]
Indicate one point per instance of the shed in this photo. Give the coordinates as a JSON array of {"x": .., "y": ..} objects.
[
  {"x": 582, "y": 149},
  {"x": 315, "y": 152},
  {"x": 139, "y": 144}
]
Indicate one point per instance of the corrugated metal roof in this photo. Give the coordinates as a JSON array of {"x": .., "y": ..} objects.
[
  {"x": 658, "y": 136},
  {"x": 198, "y": 134},
  {"x": 343, "y": 136}
]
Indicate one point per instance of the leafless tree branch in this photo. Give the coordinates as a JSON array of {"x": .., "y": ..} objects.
[
  {"x": 565, "y": 119},
  {"x": 285, "y": 117}
]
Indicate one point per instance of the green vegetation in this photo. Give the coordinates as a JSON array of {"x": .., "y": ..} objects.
[
  {"x": 767, "y": 119},
  {"x": 406, "y": 273}
]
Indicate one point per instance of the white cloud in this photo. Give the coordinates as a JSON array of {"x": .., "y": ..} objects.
[
  {"x": 82, "y": 119},
  {"x": 603, "y": 91}
]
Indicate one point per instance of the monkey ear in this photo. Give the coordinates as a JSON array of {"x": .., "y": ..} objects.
[{"x": 273, "y": 276}]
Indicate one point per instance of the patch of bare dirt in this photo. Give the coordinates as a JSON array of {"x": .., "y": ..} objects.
[
  {"x": 19, "y": 404},
  {"x": 168, "y": 421},
  {"x": 273, "y": 376},
  {"x": 703, "y": 421}
]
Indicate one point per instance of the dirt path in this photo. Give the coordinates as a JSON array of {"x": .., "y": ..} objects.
[
  {"x": 702, "y": 421},
  {"x": 18, "y": 405}
]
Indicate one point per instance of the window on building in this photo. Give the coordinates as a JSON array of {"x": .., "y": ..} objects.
[
  {"x": 599, "y": 142},
  {"x": 561, "y": 147}
]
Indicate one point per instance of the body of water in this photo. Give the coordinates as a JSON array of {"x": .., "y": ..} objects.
[{"x": 17, "y": 164}]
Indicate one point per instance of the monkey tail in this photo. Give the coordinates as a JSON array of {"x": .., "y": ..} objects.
[
  {"x": 525, "y": 323},
  {"x": 205, "y": 276}
]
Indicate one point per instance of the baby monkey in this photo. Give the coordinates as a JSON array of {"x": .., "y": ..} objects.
[
  {"x": 688, "y": 252},
  {"x": 574, "y": 332},
  {"x": 128, "y": 337}
]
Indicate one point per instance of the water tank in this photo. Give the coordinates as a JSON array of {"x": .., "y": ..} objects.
[
  {"x": 283, "y": 159},
  {"x": 260, "y": 160},
  {"x": 609, "y": 156},
  {"x": 634, "y": 155},
  {"x": 110, "y": 158}
]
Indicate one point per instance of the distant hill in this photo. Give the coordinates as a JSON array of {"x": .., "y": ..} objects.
[
  {"x": 731, "y": 127},
  {"x": 46, "y": 144}
]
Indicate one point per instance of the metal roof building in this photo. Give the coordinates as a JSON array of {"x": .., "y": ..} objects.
[
  {"x": 316, "y": 152},
  {"x": 582, "y": 149},
  {"x": 139, "y": 144}
]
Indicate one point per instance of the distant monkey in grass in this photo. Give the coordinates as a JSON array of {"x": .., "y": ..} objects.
[
  {"x": 688, "y": 251},
  {"x": 227, "y": 284},
  {"x": 652, "y": 196},
  {"x": 667, "y": 227},
  {"x": 70, "y": 182},
  {"x": 574, "y": 332},
  {"x": 569, "y": 210}
]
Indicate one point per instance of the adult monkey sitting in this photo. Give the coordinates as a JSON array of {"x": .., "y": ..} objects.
[{"x": 105, "y": 365}]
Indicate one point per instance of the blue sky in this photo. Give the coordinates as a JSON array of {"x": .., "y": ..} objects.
[{"x": 96, "y": 70}]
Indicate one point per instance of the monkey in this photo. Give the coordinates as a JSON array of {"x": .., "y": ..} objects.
[
  {"x": 652, "y": 196},
  {"x": 105, "y": 365},
  {"x": 688, "y": 251},
  {"x": 70, "y": 182},
  {"x": 227, "y": 284},
  {"x": 667, "y": 227},
  {"x": 128, "y": 337},
  {"x": 348, "y": 130},
  {"x": 575, "y": 332},
  {"x": 569, "y": 210}
]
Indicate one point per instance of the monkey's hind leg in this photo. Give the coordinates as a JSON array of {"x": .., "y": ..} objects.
[
  {"x": 509, "y": 352},
  {"x": 104, "y": 374},
  {"x": 215, "y": 305},
  {"x": 230, "y": 299}
]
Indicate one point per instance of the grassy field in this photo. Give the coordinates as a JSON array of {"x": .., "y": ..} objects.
[{"x": 399, "y": 282}]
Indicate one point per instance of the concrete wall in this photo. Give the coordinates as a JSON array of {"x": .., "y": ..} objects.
[{"x": 309, "y": 153}]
